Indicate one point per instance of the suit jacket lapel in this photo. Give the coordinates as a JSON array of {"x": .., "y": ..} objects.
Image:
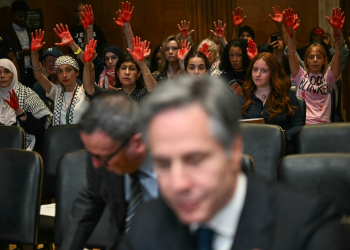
[{"x": 257, "y": 218}]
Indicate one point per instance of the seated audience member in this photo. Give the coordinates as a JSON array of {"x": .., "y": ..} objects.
[
  {"x": 217, "y": 42},
  {"x": 20, "y": 106},
  {"x": 49, "y": 58},
  {"x": 267, "y": 94},
  {"x": 196, "y": 63},
  {"x": 133, "y": 76},
  {"x": 191, "y": 127},
  {"x": 169, "y": 65},
  {"x": 207, "y": 46},
  {"x": 156, "y": 59},
  {"x": 69, "y": 98},
  {"x": 315, "y": 83},
  {"x": 106, "y": 73},
  {"x": 317, "y": 33},
  {"x": 7, "y": 52},
  {"x": 278, "y": 51},
  {"x": 119, "y": 175},
  {"x": 244, "y": 32},
  {"x": 233, "y": 64}
]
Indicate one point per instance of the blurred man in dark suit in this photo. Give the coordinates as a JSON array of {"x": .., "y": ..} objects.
[{"x": 193, "y": 133}]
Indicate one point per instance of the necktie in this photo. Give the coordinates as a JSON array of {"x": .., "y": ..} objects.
[
  {"x": 135, "y": 198},
  {"x": 204, "y": 238}
]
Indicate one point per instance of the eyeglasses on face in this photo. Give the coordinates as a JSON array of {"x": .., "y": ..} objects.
[{"x": 120, "y": 148}]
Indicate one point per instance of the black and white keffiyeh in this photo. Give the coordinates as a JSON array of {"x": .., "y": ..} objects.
[
  {"x": 58, "y": 106},
  {"x": 66, "y": 60},
  {"x": 28, "y": 100}
]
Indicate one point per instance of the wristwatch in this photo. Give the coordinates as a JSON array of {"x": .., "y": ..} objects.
[{"x": 21, "y": 115}]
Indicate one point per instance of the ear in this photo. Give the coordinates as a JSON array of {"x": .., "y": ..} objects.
[
  {"x": 137, "y": 144},
  {"x": 139, "y": 75},
  {"x": 236, "y": 153},
  {"x": 76, "y": 73}
]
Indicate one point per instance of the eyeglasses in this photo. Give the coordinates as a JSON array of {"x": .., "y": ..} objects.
[
  {"x": 50, "y": 61},
  {"x": 105, "y": 161},
  {"x": 113, "y": 58}
]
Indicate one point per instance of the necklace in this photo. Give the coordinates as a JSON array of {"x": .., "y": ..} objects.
[{"x": 263, "y": 95}]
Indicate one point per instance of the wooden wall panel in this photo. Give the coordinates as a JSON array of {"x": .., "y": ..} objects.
[
  {"x": 257, "y": 13},
  {"x": 154, "y": 20}
]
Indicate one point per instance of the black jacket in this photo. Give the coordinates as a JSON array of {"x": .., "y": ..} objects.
[{"x": 273, "y": 218}]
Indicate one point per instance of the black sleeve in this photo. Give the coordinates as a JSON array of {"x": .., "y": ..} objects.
[
  {"x": 86, "y": 210},
  {"x": 33, "y": 125},
  {"x": 98, "y": 68},
  {"x": 297, "y": 120},
  {"x": 100, "y": 37},
  {"x": 98, "y": 91}
]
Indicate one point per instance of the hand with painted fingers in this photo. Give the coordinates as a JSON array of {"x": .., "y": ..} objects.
[
  {"x": 63, "y": 33},
  {"x": 296, "y": 25},
  {"x": 141, "y": 49},
  {"x": 338, "y": 19},
  {"x": 292, "y": 21},
  {"x": 37, "y": 44},
  {"x": 219, "y": 29},
  {"x": 126, "y": 13},
  {"x": 13, "y": 102},
  {"x": 184, "y": 29},
  {"x": 291, "y": 18},
  {"x": 90, "y": 51},
  {"x": 278, "y": 14},
  {"x": 237, "y": 16},
  {"x": 252, "y": 51},
  {"x": 87, "y": 16},
  {"x": 118, "y": 20},
  {"x": 204, "y": 49},
  {"x": 183, "y": 51}
]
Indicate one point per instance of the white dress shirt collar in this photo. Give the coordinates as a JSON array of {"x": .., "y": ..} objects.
[{"x": 225, "y": 222}]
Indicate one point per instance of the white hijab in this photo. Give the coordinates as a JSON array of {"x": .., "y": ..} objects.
[{"x": 7, "y": 114}]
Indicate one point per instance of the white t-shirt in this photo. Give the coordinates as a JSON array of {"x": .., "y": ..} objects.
[{"x": 82, "y": 102}]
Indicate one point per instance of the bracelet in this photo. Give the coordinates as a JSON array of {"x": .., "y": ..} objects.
[
  {"x": 149, "y": 72},
  {"x": 78, "y": 51},
  {"x": 38, "y": 68}
]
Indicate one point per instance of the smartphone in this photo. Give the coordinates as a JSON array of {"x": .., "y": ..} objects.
[{"x": 273, "y": 38}]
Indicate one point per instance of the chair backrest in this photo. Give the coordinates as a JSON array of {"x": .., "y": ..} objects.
[
  {"x": 248, "y": 166},
  {"x": 323, "y": 138},
  {"x": 265, "y": 144},
  {"x": 302, "y": 105},
  {"x": 21, "y": 175},
  {"x": 294, "y": 89},
  {"x": 324, "y": 174},
  {"x": 12, "y": 137},
  {"x": 71, "y": 172},
  {"x": 58, "y": 140}
]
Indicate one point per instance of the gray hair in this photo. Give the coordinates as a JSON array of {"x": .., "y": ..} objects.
[
  {"x": 212, "y": 94},
  {"x": 212, "y": 47},
  {"x": 114, "y": 113}
]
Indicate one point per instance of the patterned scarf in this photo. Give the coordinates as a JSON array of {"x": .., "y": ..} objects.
[
  {"x": 59, "y": 103},
  {"x": 107, "y": 78},
  {"x": 28, "y": 100}
]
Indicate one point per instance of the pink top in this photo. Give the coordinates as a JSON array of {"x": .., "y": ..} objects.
[{"x": 316, "y": 89}]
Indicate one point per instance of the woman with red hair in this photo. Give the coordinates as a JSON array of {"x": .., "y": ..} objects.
[{"x": 266, "y": 94}]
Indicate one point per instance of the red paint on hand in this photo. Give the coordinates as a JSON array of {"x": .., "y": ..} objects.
[
  {"x": 13, "y": 102},
  {"x": 37, "y": 40}
]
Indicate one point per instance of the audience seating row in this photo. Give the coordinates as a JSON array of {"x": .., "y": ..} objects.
[
  {"x": 325, "y": 175},
  {"x": 318, "y": 173}
]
